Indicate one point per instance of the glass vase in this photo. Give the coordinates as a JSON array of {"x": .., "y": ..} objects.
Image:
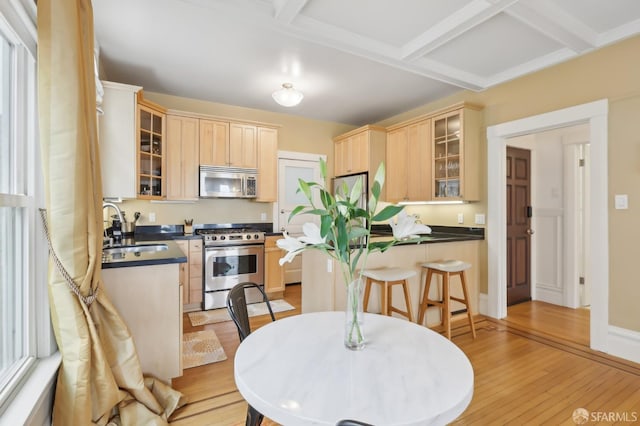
[{"x": 354, "y": 317}]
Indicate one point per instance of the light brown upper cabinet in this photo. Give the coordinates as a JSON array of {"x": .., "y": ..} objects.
[
  {"x": 182, "y": 157},
  {"x": 228, "y": 144},
  {"x": 360, "y": 150},
  {"x": 243, "y": 145},
  {"x": 409, "y": 162},
  {"x": 456, "y": 154},
  {"x": 151, "y": 150},
  {"x": 267, "y": 164},
  {"x": 214, "y": 142}
]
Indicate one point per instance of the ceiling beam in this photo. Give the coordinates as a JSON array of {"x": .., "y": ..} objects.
[
  {"x": 555, "y": 23},
  {"x": 474, "y": 13},
  {"x": 287, "y": 10},
  {"x": 338, "y": 38}
]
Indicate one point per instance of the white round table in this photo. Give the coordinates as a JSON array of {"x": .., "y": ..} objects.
[{"x": 296, "y": 371}]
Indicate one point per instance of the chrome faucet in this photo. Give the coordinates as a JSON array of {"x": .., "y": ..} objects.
[
  {"x": 106, "y": 240},
  {"x": 116, "y": 208}
]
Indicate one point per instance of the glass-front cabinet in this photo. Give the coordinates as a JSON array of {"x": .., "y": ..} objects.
[
  {"x": 447, "y": 158},
  {"x": 457, "y": 154},
  {"x": 151, "y": 170}
]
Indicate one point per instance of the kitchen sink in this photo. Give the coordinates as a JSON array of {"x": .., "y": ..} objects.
[{"x": 140, "y": 248}]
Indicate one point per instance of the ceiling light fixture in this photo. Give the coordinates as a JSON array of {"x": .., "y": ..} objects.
[{"x": 287, "y": 96}]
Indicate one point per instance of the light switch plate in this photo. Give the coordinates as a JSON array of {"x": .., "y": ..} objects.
[
  {"x": 460, "y": 218},
  {"x": 479, "y": 219},
  {"x": 621, "y": 202},
  {"x": 152, "y": 217}
]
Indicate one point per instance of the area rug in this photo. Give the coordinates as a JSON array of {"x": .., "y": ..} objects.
[
  {"x": 201, "y": 347},
  {"x": 221, "y": 315}
]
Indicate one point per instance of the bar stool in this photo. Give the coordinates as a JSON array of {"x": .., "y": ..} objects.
[
  {"x": 388, "y": 277},
  {"x": 445, "y": 268}
]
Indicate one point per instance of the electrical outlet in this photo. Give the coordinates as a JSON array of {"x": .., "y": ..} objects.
[
  {"x": 460, "y": 218},
  {"x": 152, "y": 217},
  {"x": 621, "y": 202},
  {"x": 263, "y": 216}
]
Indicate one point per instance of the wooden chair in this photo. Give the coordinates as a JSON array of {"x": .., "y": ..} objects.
[
  {"x": 387, "y": 278},
  {"x": 446, "y": 269},
  {"x": 237, "y": 308}
]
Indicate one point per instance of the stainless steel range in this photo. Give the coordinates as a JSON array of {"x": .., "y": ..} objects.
[{"x": 231, "y": 256}]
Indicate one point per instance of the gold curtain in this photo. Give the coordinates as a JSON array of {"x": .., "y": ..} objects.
[{"x": 100, "y": 379}]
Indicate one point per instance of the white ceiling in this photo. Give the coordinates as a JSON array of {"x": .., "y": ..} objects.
[{"x": 356, "y": 61}]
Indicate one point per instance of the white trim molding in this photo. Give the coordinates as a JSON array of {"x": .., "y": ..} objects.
[
  {"x": 624, "y": 343},
  {"x": 596, "y": 115}
]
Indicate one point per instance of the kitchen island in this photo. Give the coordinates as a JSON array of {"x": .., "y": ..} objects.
[
  {"x": 324, "y": 289},
  {"x": 145, "y": 288}
]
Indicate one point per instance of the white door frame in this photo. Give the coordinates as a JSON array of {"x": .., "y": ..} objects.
[{"x": 594, "y": 113}]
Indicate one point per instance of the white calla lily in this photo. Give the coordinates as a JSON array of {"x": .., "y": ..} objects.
[
  {"x": 312, "y": 234},
  {"x": 406, "y": 227},
  {"x": 293, "y": 246}
]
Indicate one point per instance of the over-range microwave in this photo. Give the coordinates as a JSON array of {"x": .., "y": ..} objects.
[{"x": 228, "y": 182}]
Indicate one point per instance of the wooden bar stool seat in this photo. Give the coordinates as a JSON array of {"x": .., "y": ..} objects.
[
  {"x": 387, "y": 278},
  {"x": 446, "y": 269}
]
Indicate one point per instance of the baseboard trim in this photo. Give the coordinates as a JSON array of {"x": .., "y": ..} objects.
[
  {"x": 549, "y": 295},
  {"x": 623, "y": 343},
  {"x": 483, "y": 304}
]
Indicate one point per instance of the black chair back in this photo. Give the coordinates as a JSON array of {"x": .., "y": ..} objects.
[{"x": 237, "y": 307}]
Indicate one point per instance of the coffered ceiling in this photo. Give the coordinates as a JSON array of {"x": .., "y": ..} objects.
[{"x": 356, "y": 61}]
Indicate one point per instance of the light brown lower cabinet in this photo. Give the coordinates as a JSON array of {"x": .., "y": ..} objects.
[
  {"x": 273, "y": 272},
  {"x": 149, "y": 300},
  {"x": 191, "y": 274}
]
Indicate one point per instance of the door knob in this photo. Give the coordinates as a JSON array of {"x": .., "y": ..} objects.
[
  {"x": 282, "y": 211},
  {"x": 530, "y": 231}
]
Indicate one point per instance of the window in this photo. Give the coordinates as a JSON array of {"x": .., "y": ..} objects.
[{"x": 24, "y": 326}]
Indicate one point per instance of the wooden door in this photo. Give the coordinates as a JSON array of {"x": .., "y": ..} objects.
[{"x": 518, "y": 225}]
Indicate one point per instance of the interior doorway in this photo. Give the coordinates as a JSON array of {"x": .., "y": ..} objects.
[
  {"x": 291, "y": 167},
  {"x": 593, "y": 114}
]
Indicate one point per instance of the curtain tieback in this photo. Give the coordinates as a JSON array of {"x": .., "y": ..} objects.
[{"x": 75, "y": 288}]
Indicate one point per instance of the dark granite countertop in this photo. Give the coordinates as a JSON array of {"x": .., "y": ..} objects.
[
  {"x": 172, "y": 254},
  {"x": 439, "y": 234}
]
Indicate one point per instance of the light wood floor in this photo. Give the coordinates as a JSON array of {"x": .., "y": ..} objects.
[
  {"x": 522, "y": 375},
  {"x": 557, "y": 321}
]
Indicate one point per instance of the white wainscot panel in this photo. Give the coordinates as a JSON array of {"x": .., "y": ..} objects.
[{"x": 549, "y": 265}]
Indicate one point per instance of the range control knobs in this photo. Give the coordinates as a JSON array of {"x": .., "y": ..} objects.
[
  {"x": 257, "y": 237},
  {"x": 248, "y": 237}
]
